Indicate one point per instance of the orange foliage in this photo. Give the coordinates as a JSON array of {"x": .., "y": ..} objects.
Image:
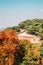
[{"x": 8, "y": 42}]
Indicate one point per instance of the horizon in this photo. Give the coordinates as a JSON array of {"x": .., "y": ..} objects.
[{"x": 13, "y": 12}]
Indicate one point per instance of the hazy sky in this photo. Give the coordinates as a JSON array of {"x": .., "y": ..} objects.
[{"x": 14, "y": 11}]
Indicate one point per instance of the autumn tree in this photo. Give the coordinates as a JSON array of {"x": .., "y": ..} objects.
[{"x": 9, "y": 47}]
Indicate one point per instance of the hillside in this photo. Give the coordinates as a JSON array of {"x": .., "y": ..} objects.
[
  {"x": 22, "y": 44},
  {"x": 34, "y": 26}
]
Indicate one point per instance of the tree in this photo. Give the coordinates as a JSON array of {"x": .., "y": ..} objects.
[{"x": 9, "y": 47}]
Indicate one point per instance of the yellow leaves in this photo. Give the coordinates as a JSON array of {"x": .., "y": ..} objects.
[
  {"x": 36, "y": 50},
  {"x": 31, "y": 50}
]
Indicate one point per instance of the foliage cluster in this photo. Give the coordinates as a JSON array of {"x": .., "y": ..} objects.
[
  {"x": 33, "y": 53},
  {"x": 9, "y": 48},
  {"x": 34, "y": 26}
]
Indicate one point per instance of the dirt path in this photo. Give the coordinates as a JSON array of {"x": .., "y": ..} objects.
[{"x": 31, "y": 38}]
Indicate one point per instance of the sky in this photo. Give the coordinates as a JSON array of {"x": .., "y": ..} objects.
[{"x": 13, "y": 12}]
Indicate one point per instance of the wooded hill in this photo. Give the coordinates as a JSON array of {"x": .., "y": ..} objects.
[
  {"x": 34, "y": 26},
  {"x": 21, "y": 52}
]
